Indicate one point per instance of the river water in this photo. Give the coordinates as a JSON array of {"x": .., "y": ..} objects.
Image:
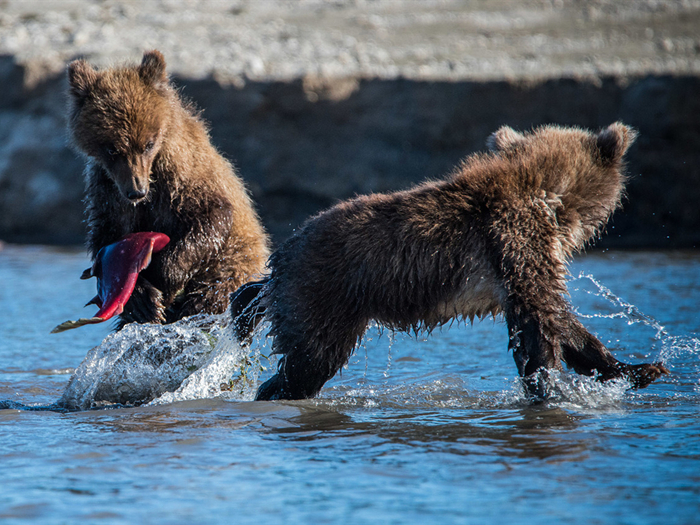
[{"x": 415, "y": 430}]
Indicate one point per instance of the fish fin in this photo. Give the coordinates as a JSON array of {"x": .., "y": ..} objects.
[
  {"x": 95, "y": 300},
  {"x": 69, "y": 325},
  {"x": 147, "y": 259}
]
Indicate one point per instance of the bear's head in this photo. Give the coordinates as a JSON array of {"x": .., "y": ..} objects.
[
  {"x": 608, "y": 146},
  {"x": 582, "y": 172},
  {"x": 118, "y": 117}
]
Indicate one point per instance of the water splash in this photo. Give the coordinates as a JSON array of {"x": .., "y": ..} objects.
[
  {"x": 629, "y": 312},
  {"x": 677, "y": 346},
  {"x": 146, "y": 363},
  {"x": 680, "y": 354},
  {"x": 565, "y": 390},
  {"x": 425, "y": 392},
  {"x": 676, "y": 351},
  {"x": 392, "y": 340},
  {"x": 571, "y": 391},
  {"x": 231, "y": 371}
]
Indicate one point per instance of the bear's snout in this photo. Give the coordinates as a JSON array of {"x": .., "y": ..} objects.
[
  {"x": 132, "y": 177},
  {"x": 134, "y": 189},
  {"x": 136, "y": 195}
]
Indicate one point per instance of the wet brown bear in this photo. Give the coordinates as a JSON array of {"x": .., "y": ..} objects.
[
  {"x": 151, "y": 167},
  {"x": 494, "y": 237}
]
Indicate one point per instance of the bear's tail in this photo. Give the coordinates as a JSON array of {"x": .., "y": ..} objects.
[{"x": 246, "y": 309}]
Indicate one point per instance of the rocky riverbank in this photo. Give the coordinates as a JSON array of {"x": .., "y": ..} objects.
[{"x": 318, "y": 101}]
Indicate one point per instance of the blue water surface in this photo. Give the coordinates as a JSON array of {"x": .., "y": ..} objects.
[{"x": 415, "y": 430}]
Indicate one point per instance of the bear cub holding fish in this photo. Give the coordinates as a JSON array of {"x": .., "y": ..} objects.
[
  {"x": 151, "y": 167},
  {"x": 494, "y": 237}
]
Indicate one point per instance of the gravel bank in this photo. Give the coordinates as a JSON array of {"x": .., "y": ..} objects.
[{"x": 316, "y": 101}]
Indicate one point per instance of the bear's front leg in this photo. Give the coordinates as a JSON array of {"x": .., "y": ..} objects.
[
  {"x": 526, "y": 256},
  {"x": 144, "y": 306},
  {"x": 535, "y": 351},
  {"x": 588, "y": 356},
  {"x": 176, "y": 269}
]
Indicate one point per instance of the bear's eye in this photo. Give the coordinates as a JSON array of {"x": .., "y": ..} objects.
[
  {"x": 111, "y": 152},
  {"x": 149, "y": 146}
]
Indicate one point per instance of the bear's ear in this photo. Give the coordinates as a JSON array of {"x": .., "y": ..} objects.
[
  {"x": 613, "y": 141},
  {"x": 81, "y": 78},
  {"x": 152, "y": 68},
  {"x": 506, "y": 137}
]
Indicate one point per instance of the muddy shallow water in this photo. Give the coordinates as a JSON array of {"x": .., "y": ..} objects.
[{"x": 415, "y": 430}]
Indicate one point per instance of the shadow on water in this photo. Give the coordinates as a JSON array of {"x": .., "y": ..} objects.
[
  {"x": 527, "y": 432},
  {"x": 8, "y": 404},
  {"x": 520, "y": 432}
]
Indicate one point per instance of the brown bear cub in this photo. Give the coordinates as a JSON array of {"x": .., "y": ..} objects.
[
  {"x": 492, "y": 238},
  {"x": 152, "y": 167}
]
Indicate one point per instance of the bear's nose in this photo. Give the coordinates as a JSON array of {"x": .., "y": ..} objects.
[{"x": 135, "y": 195}]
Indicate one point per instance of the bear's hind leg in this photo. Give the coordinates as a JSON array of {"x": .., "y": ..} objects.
[
  {"x": 295, "y": 379},
  {"x": 246, "y": 310},
  {"x": 308, "y": 362}
]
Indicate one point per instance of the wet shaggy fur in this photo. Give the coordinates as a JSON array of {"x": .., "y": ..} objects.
[
  {"x": 152, "y": 167},
  {"x": 492, "y": 238}
]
